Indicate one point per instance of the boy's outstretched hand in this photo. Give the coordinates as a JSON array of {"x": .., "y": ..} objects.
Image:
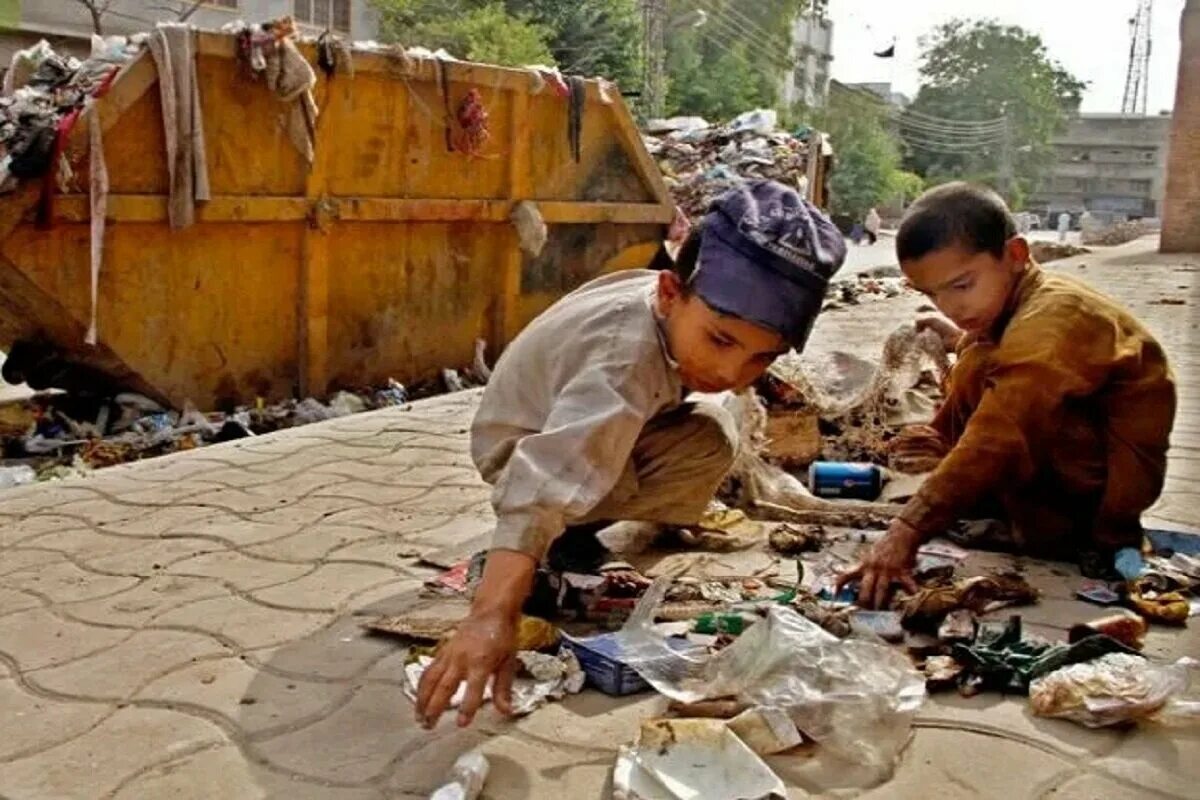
[
  {"x": 889, "y": 561},
  {"x": 483, "y": 646}
]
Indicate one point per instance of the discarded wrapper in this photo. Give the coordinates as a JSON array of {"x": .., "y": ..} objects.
[
  {"x": 766, "y": 730},
  {"x": 958, "y": 626},
  {"x": 541, "y": 678},
  {"x": 884, "y": 624},
  {"x": 1119, "y": 688},
  {"x": 1128, "y": 629},
  {"x": 1098, "y": 592},
  {"x": 692, "y": 759}
]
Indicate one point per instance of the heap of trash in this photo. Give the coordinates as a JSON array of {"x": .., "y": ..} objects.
[
  {"x": 1115, "y": 234},
  {"x": 770, "y": 666},
  {"x": 44, "y": 93},
  {"x": 54, "y": 435},
  {"x": 700, "y": 161}
]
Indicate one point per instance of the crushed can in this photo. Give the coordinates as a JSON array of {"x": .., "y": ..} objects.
[{"x": 845, "y": 480}]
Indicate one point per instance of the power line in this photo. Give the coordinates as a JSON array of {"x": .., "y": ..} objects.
[
  {"x": 918, "y": 117},
  {"x": 747, "y": 22},
  {"x": 774, "y": 56},
  {"x": 947, "y": 130}
]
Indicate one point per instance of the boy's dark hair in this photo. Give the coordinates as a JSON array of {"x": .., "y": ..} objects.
[
  {"x": 689, "y": 254},
  {"x": 684, "y": 264},
  {"x": 972, "y": 217}
]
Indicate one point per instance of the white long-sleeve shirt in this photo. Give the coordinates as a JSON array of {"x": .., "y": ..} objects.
[{"x": 565, "y": 405}]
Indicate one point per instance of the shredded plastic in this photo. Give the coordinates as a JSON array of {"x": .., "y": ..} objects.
[
  {"x": 1118, "y": 689},
  {"x": 855, "y": 697}
]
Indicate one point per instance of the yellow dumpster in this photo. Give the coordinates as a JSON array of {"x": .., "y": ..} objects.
[{"x": 387, "y": 257}]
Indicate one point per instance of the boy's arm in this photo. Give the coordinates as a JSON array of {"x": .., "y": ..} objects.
[
  {"x": 568, "y": 468},
  {"x": 1042, "y": 362},
  {"x": 565, "y": 470}
]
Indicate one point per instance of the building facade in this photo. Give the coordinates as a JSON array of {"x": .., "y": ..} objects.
[
  {"x": 812, "y": 55},
  {"x": 1112, "y": 165},
  {"x": 67, "y": 25},
  {"x": 1181, "y": 212},
  {"x": 884, "y": 92}
]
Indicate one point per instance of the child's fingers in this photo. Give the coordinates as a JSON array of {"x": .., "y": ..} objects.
[
  {"x": 909, "y": 583},
  {"x": 866, "y": 592},
  {"x": 473, "y": 698},
  {"x": 429, "y": 682},
  {"x": 502, "y": 688},
  {"x": 883, "y": 585},
  {"x": 442, "y": 695},
  {"x": 847, "y": 576}
]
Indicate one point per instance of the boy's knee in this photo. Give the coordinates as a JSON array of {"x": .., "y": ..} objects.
[{"x": 712, "y": 434}]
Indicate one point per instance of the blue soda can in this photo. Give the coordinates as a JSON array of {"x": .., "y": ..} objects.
[{"x": 846, "y": 481}]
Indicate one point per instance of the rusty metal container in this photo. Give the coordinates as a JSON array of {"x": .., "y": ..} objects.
[{"x": 386, "y": 258}]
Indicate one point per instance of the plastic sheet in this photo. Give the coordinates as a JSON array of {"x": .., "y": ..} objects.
[
  {"x": 855, "y": 697},
  {"x": 1117, "y": 689}
]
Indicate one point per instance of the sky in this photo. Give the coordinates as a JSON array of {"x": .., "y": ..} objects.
[{"x": 1089, "y": 37}]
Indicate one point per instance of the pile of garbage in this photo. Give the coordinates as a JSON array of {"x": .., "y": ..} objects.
[
  {"x": 1045, "y": 252},
  {"x": 700, "y": 161},
  {"x": 56, "y": 435},
  {"x": 44, "y": 92},
  {"x": 774, "y": 665},
  {"x": 1116, "y": 234},
  {"x": 847, "y": 409}
]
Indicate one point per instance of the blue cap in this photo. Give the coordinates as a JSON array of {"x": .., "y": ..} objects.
[{"x": 766, "y": 256}]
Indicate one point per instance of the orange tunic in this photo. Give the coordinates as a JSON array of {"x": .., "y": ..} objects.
[{"x": 1059, "y": 420}]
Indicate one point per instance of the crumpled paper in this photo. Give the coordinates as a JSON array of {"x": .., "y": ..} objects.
[{"x": 542, "y": 678}]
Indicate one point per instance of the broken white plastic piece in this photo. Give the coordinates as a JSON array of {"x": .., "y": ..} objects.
[
  {"x": 470, "y": 773},
  {"x": 692, "y": 759}
]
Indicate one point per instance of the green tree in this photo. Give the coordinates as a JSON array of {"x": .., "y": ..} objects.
[
  {"x": 470, "y": 29},
  {"x": 590, "y": 37},
  {"x": 735, "y": 61},
  {"x": 867, "y": 152},
  {"x": 982, "y": 70}
]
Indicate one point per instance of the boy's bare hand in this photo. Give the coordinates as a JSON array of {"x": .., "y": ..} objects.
[
  {"x": 951, "y": 334},
  {"x": 484, "y": 645},
  {"x": 888, "y": 562}
]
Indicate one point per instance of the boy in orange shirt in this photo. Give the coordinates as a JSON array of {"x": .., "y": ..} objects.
[{"x": 1057, "y": 414}]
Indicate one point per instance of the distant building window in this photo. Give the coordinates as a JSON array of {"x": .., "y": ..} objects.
[{"x": 333, "y": 14}]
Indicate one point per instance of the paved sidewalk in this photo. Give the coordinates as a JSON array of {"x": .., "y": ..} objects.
[{"x": 186, "y": 627}]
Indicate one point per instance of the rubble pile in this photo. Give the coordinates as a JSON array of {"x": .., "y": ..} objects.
[
  {"x": 1115, "y": 234},
  {"x": 700, "y": 161},
  {"x": 881, "y": 283},
  {"x": 1045, "y": 252}
]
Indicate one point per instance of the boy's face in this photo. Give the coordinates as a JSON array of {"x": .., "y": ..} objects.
[
  {"x": 970, "y": 288},
  {"x": 715, "y": 352}
]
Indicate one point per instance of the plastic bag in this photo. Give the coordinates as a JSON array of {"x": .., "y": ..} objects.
[
  {"x": 761, "y": 121},
  {"x": 855, "y": 697},
  {"x": 1119, "y": 688}
]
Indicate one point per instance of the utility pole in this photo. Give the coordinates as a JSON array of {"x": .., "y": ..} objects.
[
  {"x": 654, "y": 57},
  {"x": 1007, "y": 167}
]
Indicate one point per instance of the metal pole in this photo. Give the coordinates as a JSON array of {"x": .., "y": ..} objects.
[{"x": 654, "y": 13}]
